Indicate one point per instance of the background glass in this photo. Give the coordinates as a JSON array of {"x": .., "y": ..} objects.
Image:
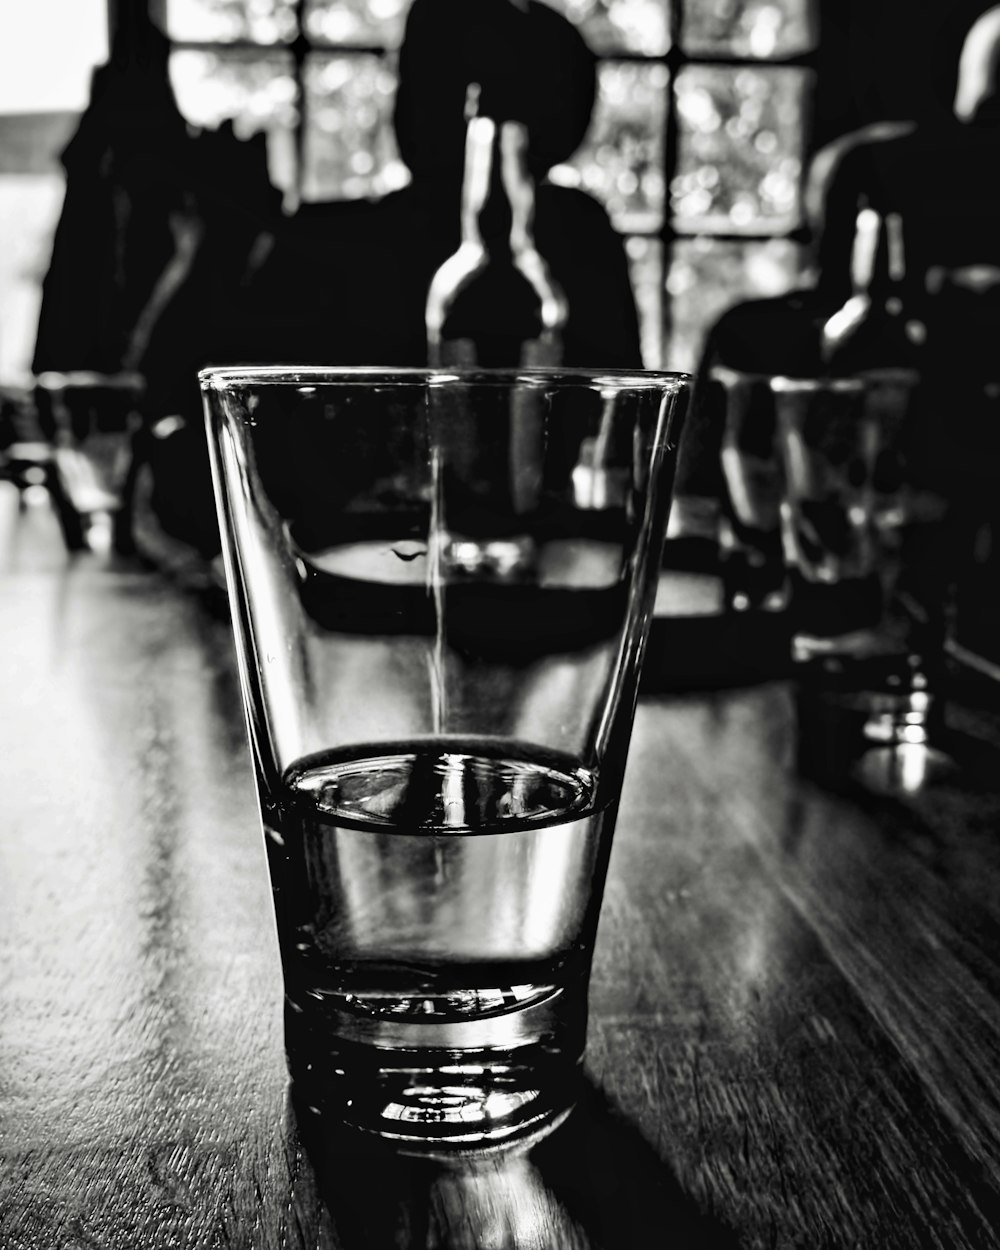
[
  {"x": 753, "y": 562},
  {"x": 91, "y": 421},
  {"x": 864, "y": 525}
]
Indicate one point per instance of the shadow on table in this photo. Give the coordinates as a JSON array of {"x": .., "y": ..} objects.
[{"x": 593, "y": 1183}]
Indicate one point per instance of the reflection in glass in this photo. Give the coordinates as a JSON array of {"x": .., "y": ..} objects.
[
  {"x": 257, "y": 92},
  {"x": 740, "y": 149},
  {"x": 620, "y": 25},
  {"x": 223, "y": 21},
  {"x": 350, "y": 151},
  {"x": 368, "y": 22},
  {"x": 621, "y": 159},
  {"x": 707, "y": 276},
  {"x": 759, "y": 29}
]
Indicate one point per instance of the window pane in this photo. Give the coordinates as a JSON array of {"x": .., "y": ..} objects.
[
  {"x": 48, "y": 49},
  {"x": 356, "y": 21},
  {"x": 707, "y": 276},
  {"x": 750, "y": 28},
  {"x": 221, "y": 21},
  {"x": 29, "y": 210},
  {"x": 621, "y": 160},
  {"x": 350, "y": 150},
  {"x": 620, "y": 25},
  {"x": 257, "y": 91},
  {"x": 740, "y": 149}
]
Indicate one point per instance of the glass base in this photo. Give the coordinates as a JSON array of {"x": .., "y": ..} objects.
[
  {"x": 904, "y": 768},
  {"x": 891, "y": 690},
  {"x": 439, "y": 1088},
  {"x": 440, "y": 1103},
  {"x": 868, "y": 724}
]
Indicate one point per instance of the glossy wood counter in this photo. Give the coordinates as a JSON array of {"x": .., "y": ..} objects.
[{"x": 795, "y": 1009}]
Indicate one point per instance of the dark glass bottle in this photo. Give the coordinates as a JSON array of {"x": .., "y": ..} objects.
[
  {"x": 493, "y": 302},
  {"x": 881, "y": 326}
]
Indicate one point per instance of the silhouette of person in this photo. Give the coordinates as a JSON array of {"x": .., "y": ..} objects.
[
  {"x": 156, "y": 218},
  {"x": 535, "y": 67},
  {"x": 349, "y": 281},
  {"x": 126, "y": 167},
  {"x": 346, "y": 282}
]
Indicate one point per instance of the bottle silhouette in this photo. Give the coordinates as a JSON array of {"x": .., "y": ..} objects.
[
  {"x": 493, "y": 302},
  {"x": 881, "y": 326}
]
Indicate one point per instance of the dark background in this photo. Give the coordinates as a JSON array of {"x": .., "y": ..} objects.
[{"x": 887, "y": 59}]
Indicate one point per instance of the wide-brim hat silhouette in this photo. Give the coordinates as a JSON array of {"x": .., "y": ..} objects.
[{"x": 531, "y": 63}]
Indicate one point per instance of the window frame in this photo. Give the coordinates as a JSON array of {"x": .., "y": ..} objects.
[
  {"x": 675, "y": 60},
  {"x": 31, "y": 141}
]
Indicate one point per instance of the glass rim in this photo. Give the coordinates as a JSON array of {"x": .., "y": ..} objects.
[{"x": 228, "y": 377}]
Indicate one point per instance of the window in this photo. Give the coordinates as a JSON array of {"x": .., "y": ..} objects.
[
  {"x": 696, "y": 146},
  {"x": 47, "y": 51}
]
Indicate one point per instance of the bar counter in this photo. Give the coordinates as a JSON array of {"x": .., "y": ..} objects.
[{"x": 795, "y": 1008}]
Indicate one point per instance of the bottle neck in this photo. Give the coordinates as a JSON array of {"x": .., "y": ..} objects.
[
  {"x": 498, "y": 192},
  {"x": 895, "y": 249},
  {"x": 519, "y": 186},
  {"x": 889, "y": 283},
  {"x": 865, "y": 252},
  {"x": 880, "y": 325},
  {"x": 495, "y": 296},
  {"x": 482, "y": 138},
  {"x": 882, "y": 269}
]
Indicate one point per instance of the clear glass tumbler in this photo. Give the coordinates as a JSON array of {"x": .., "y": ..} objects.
[
  {"x": 754, "y": 572},
  {"x": 92, "y": 420},
  {"x": 441, "y": 586},
  {"x": 864, "y": 523}
]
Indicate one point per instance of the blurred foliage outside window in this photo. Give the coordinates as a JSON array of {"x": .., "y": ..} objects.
[{"x": 696, "y": 148}]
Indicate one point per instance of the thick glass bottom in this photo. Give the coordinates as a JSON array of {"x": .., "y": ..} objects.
[{"x": 436, "y": 1099}]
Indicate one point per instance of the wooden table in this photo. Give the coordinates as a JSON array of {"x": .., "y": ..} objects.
[{"x": 795, "y": 1029}]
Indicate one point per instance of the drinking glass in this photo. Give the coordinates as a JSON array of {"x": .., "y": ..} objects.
[
  {"x": 863, "y": 524},
  {"x": 439, "y": 636},
  {"x": 754, "y": 572},
  {"x": 91, "y": 420}
]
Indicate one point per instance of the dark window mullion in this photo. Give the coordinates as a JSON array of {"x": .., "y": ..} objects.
[
  {"x": 228, "y": 45},
  {"x": 671, "y": 139},
  {"x": 348, "y": 49},
  {"x": 794, "y": 235},
  {"x": 250, "y": 45},
  {"x": 805, "y": 60}
]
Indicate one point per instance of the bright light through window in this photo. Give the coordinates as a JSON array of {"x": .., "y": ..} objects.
[{"x": 47, "y": 51}]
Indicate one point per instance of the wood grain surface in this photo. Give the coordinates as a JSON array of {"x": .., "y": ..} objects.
[{"x": 795, "y": 1006}]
